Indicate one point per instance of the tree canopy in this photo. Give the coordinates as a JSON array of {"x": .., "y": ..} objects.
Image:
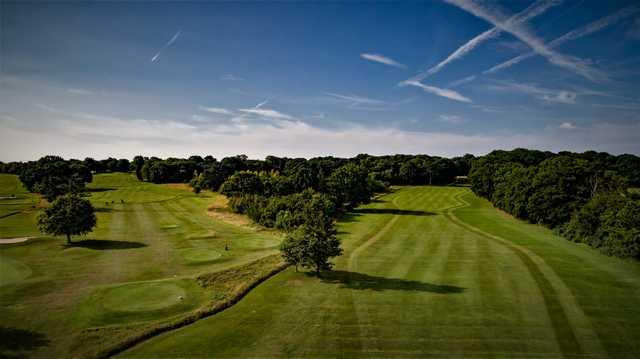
[{"x": 68, "y": 215}]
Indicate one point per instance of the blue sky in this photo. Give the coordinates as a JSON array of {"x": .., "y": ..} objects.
[{"x": 306, "y": 79}]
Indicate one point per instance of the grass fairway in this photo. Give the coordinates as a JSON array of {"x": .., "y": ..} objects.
[
  {"x": 431, "y": 271},
  {"x": 138, "y": 268}
]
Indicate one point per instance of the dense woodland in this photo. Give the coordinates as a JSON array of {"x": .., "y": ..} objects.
[{"x": 586, "y": 197}]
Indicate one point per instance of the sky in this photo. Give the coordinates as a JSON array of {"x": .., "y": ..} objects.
[{"x": 301, "y": 79}]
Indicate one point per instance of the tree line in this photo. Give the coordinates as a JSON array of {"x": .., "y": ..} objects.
[{"x": 583, "y": 196}]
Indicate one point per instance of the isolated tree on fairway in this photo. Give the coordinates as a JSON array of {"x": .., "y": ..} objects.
[
  {"x": 312, "y": 244},
  {"x": 69, "y": 215}
]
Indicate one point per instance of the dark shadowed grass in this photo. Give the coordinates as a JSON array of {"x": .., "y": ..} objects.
[
  {"x": 104, "y": 244},
  {"x": 361, "y": 281},
  {"x": 394, "y": 211},
  {"x": 17, "y": 343}
]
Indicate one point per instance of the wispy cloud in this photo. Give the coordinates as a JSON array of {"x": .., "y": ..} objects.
[
  {"x": 268, "y": 113},
  {"x": 171, "y": 41},
  {"x": 383, "y": 60},
  {"x": 544, "y": 94},
  {"x": 530, "y": 12},
  {"x": 231, "y": 77},
  {"x": 78, "y": 91},
  {"x": 625, "y": 107},
  {"x": 354, "y": 99},
  {"x": 446, "y": 93},
  {"x": 462, "y": 81},
  {"x": 218, "y": 110},
  {"x": 572, "y": 35},
  {"x": 567, "y": 126},
  {"x": 499, "y": 20}
]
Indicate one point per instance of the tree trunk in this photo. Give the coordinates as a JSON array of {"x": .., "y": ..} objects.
[{"x": 68, "y": 238}]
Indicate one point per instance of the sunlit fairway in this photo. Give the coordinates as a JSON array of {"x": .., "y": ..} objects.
[
  {"x": 137, "y": 268},
  {"x": 431, "y": 271},
  {"x": 426, "y": 271}
]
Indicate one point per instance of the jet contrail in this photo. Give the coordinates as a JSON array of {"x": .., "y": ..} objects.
[
  {"x": 525, "y": 15},
  {"x": 572, "y": 35},
  {"x": 497, "y": 19},
  {"x": 171, "y": 41}
]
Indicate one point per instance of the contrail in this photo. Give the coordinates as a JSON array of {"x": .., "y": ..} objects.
[
  {"x": 171, "y": 41},
  {"x": 530, "y": 12},
  {"x": 496, "y": 18},
  {"x": 572, "y": 35}
]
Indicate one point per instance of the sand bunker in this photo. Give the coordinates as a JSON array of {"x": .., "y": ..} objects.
[{"x": 14, "y": 240}]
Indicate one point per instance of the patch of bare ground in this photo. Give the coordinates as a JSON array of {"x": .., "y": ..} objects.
[
  {"x": 182, "y": 186},
  {"x": 219, "y": 209}
]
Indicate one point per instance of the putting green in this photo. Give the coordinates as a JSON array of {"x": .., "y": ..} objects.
[
  {"x": 12, "y": 271},
  {"x": 143, "y": 296},
  {"x": 200, "y": 254}
]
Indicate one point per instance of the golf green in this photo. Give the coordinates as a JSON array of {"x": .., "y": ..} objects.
[{"x": 143, "y": 296}]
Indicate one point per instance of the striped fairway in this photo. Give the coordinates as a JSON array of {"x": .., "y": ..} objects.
[{"x": 432, "y": 271}]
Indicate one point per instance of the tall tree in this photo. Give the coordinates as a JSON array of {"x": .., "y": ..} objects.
[
  {"x": 68, "y": 215},
  {"x": 313, "y": 244}
]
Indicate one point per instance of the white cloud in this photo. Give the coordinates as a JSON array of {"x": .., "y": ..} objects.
[
  {"x": 572, "y": 35},
  {"x": 499, "y": 20},
  {"x": 171, "y": 41},
  {"x": 567, "y": 126},
  {"x": 530, "y": 12},
  {"x": 452, "y": 119},
  {"x": 263, "y": 112},
  {"x": 231, "y": 77},
  {"x": 83, "y": 135},
  {"x": 446, "y": 93},
  {"x": 218, "y": 110},
  {"x": 383, "y": 60}
]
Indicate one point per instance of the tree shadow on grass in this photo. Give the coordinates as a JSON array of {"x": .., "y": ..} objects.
[
  {"x": 353, "y": 280},
  {"x": 104, "y": 244},
  {"x": 15, "y": 342},
  {"x": 100, "y": 189},
  {"x": 395, "y": 211}
]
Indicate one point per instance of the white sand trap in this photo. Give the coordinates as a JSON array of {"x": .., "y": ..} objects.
[{"x": 14, "y": 240}]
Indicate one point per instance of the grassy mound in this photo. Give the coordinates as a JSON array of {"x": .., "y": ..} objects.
[{"x": 143, "y": 296}]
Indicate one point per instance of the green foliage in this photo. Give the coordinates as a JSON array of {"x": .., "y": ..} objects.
[
  {"x": 610, "y": 222},
  {"x": 242, "y": 183},
  {"x": 68, "y": 215},
  {"x": 349, "y": 185},
  {"x": 576, "y": 192},
  {"x": 52, "y": 176},
  {"x": 312, "y": 244}
]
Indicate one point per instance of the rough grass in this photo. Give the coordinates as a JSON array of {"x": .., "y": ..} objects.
[
  {"x": 125, "y": 277},
  {"x": 431, "y": 271},
  {"x": 18, "y": 209}
]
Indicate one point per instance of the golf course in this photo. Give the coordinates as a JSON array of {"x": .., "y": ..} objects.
[
  {"x": 426, "y": 271},
  {"x": 137, "y": 270}
]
